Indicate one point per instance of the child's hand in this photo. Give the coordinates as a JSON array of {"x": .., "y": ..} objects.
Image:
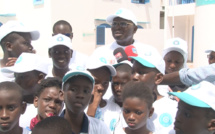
[{"x": 11, "y": 61}]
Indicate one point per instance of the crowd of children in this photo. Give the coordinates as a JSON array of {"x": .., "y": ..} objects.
[{"x": 65, "y": 95}]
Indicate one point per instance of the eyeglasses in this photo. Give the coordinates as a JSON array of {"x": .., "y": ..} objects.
[
  {"x": 121, "y": 24},
  {"x": 68, "y": 34},
  {"x": 210, "y": 57}
]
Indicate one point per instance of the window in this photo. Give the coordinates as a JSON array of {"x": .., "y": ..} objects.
[
  {"x": 140, "y": 1},
  {"x": 100, "y": 33}
]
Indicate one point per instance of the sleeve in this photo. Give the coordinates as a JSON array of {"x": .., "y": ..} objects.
[{"x": 196, "y": 75}]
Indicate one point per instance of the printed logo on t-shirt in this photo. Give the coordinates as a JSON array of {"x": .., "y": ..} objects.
[
  {"x": 165, "y": 119},
  {"x": 80, "y": 68},
  {"x": 102, "y": 59},
  {"x": 112, "y": 124}
]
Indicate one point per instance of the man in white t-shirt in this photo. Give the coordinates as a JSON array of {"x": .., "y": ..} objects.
[{"x": 123, "y": 27}]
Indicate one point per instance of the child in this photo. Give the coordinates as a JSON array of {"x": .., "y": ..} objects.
[
  {"x": 196, "y": 110},
  {"x": 29, "y": 70},
  {"x": 48, "y": 100},
  {"x": 112, "y": 112},
  {"x": 11, "y": 107},
  {"x": 137, "y": 107},
  {"x": 175, "y": 57},
  {"x": 15, "y": 38},
  {"x": 149, "y": 67},
  {"x": 211, "y": 55},
  {"x": 53, "y": 125},
  {"x": 102, "y": 72},
  {"x": 78, "y": 86},
  {"x": 60, "y": 50},
  {"x": 63, "y": 27}
]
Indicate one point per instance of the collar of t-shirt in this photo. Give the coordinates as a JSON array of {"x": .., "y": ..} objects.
[{"x": 85, "y": 124}]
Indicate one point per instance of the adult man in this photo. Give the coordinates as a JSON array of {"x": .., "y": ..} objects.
[{"x": 123, "y": 27}]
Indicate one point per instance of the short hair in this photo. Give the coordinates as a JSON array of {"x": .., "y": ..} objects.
[
  {"x": 12, "y": 86},
  {"x": 11, "y": 37},
  {"x": 56, "y": 124},
  {"x": 139, "y": 90},
  {"x": 49, "y": 82},
  {"x": 61, "y": 22},
  {"x": 124, "y": 68}
]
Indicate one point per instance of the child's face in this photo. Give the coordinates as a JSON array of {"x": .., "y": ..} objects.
[
  {"x": 77, "y": 94},
  {"x": 102, "y": 78},
  {"x": 136, "y": 112},
  {"x": 144, "y": 74},
  {"x": 174, "y": 61},
  {"x": 49, "y": 103},
  {"x": 190, "y": 120},
  {"x": 211, "y": 58},
  {"x": 28, "y": 81},
  {"x": 11, "y": 108},
  {"x": 60, "y": 55},
  {"x": 117, "y": 84},
  {"x": 21, "y": 44}
]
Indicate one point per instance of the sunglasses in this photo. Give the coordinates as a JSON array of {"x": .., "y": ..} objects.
[{"x": 121, "y": 24}]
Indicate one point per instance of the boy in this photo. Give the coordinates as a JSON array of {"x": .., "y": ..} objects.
[
  {"x": 29, "y": 70},
  {"x": 149, "y": 67},
  {"x": 60, "y": 50},
  {"x": 15, "y": 38},
  {"x": 11, "y": 107},
  {"x": 53, "y": 125},
  {"x": 63, "y": 27},
  {"x": 102, "y": 72},
  {"x": 112, "y": 112},
  {"x": 77, "y": 87},
  {"x": 196, "y": 110},
  {"x": 48, "y": 99}
]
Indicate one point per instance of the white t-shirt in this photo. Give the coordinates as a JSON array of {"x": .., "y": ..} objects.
[
  {"x": 111, "y": 114},
  {"x": 6, "y": 76},
  {"x": 97, "y": 127},
  {"x": 78, "y": 59},
  {"x": 163, "y": 117},
  {"x": 25, "y": 131},
  {"x": 107, "y": 51},
  {"x": 30, "y": 113}
]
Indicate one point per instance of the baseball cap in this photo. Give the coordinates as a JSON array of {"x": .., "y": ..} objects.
[
  {"x": 123, "y": 62},
  {"x": 122, "y": 13},
  {"x": 77, "y": 72},
  {"x": 16, "y": 26},
  {"x": 210, "y": 50},
  {"x": 176, "y": 44},
  {"x": 60, "y": 39},
  {"x": 28, "y": 62},
  {"x": 199, "y": 95},
  {"x": 96, "y": 62},
  {"x": 149, "y": 58}
]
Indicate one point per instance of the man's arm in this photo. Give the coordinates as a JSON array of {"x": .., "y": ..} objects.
[{"x": 191, "y": 76}]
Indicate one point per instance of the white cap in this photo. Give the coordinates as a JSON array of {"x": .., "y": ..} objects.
[
  {"x": 122, "y": 13},
  {"x": 95, "y": 62},
  {"x": 210, "y": 50},
  {"x": 28, "y": 62},
  {"x": 16, "y": 26},
  {"x": 200, "y": 95},
  {"x": 150, "y": 58},
  {"x": 176, "y": 44},
  {"x": 60, "y": 39}
]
